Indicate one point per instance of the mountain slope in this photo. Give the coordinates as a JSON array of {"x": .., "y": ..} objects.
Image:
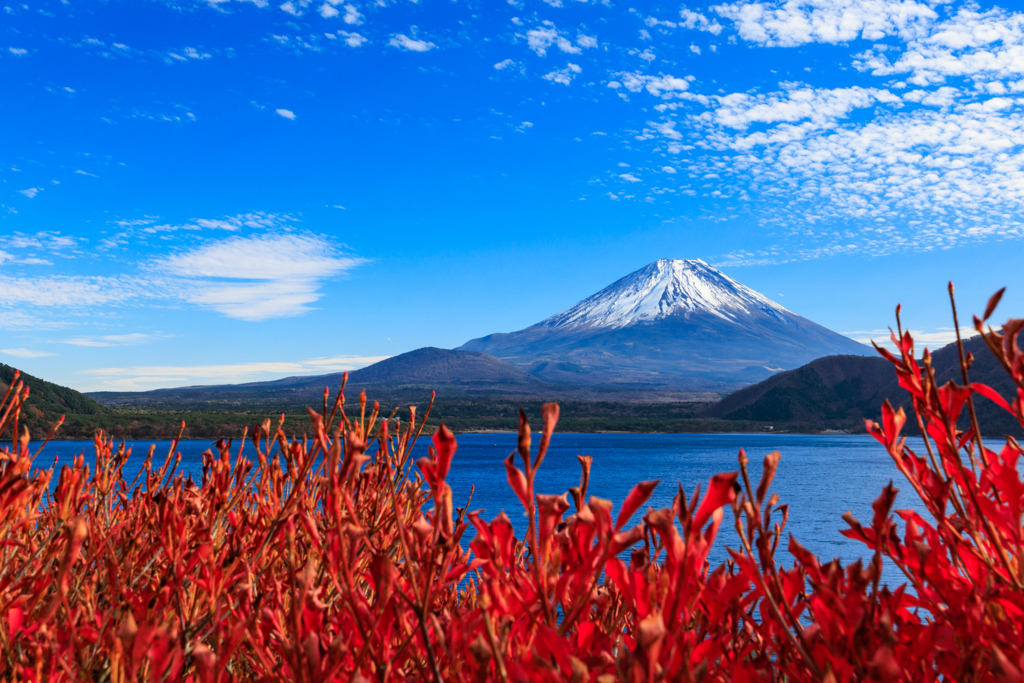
[
  {"x": 443, "y": 366},
  {"x": 418, "y": 372},
  {"x": 848, "y": 389},
  {"x": 673, "y": 325}
]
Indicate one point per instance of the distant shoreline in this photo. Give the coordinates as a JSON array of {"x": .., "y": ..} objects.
[{"x": 458, "y": 432}]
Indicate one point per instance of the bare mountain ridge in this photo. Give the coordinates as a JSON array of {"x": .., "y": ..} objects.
[{"x": 673, "y": 325}]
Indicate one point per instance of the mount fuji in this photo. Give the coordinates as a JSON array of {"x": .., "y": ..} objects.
[{"x": 676, "y": 325}]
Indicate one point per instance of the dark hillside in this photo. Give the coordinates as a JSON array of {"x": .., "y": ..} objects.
[
  {"x": 49, "y": 398},
  {"x": 48, "y": 401},
  {"x": 844, "y": 390}
]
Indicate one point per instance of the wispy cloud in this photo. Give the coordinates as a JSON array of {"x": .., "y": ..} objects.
[
  {"x": 404, "y": 42},
  {"x": 932, "y": 339},
  {"x": 564, "y": 76},
  {"x": 26, "y": 353},
  {"x": 186, "y": 54},
  {"x": 258, "y": 277},
  {"x": 352, "y": 39},
  {"x": 543, "y": 37},
  {"x": 790, "y": 24},
  {"x": 68, "y": 291},
  {"x": 286, "y": 113},
  {"x": 156, "y": 376},
  {"x": 111, "y": 340},
  {"x": 253, "y": 276}
]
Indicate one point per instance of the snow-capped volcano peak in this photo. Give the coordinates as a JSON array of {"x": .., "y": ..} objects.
[{"x": 667, "y": 287}]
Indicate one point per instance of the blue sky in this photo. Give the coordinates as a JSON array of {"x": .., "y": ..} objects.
[{"x": 200, "y": 192}]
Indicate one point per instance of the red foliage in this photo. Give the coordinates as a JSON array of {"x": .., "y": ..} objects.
[{"x": 331, "y": 558}]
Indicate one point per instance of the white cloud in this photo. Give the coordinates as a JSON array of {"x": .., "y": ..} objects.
[
  {"x": 193, "y": 53},
  {"x": 247, "y": 277},
  {"x": 941, "y": 97},
  {"x": 821, "y": 106},
  {"x": 327, "y": 11},
  {"x": 153, "y": 376},
  {"x": 504, "y": 64},
  {"x": 659, "y": 86},
  {"x": 17, "y": 51},
  {"x": 667, "y": 128},
  {"x": 979, "y": 44},
  {"x": 695, "y": 20},
  {"x": 668, "y": 169},
  {"x": 406, "y": 43},
  {"x": 352, "y": 16},
  {"x": 67, "y": 291},
  {"x": 932, "y": 339},
  {"x": 31, "y": 192},
  {"x": 286, "y": 113},
  {"x": 26, "y": 353},
  {"x": 695, "y": 49},
  {"x": 110, "y": 340},
  {"x": 353, "y": 39},
  {"x": 15, "y": 319},
  {"x": 563, "y": 76},
  {"x": 45, "y": 239},
  {"x": 790, "y": 23},
  {"x": 951, "y": 176},
  {"x": 629, "y": 177},
  {"x": 654, "y": 21},
  {"x": 291, "y": 9},
  {"x": 258, "y": 277},
  {"x": 540, "y": 39}
]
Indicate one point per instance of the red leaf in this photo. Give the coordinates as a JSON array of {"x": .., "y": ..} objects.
[
  {"x": 992, "y": 395},
  {"x": 517, "y": 480},
  {"x": 445, "y": 445},
  {"x": 992, "y": 303},
  {"x": 640, "y": 494},
  {"x": 722, "y": 490}
]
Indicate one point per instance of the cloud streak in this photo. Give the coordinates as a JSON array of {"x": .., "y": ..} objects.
[
  {"x": 250, "y": 277},
  {"x": 26, "y": 353},
  {"x": 150, "y": 376}
]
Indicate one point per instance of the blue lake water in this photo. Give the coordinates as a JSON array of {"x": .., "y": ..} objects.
[{"x": 820, "y": 476}]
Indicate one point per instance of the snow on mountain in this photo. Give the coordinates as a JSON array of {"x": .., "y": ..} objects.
[
  {"x": 666, "y": 288},
  {"x": 674, "y": 325}
]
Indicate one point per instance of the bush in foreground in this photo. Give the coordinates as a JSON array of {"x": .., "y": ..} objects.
[{"x": 332, "y": 558}]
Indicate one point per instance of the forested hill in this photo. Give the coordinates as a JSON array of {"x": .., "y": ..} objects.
[
  {"x": 48, "y": 401},
  {"x": 841, "y": 391},
  {"x": 49, "y": 398}
]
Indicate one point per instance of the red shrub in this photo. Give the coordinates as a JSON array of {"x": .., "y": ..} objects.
[{"x": 317, "y": 560}]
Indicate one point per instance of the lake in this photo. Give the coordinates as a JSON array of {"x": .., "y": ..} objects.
[{"x": 819, "y": 476}]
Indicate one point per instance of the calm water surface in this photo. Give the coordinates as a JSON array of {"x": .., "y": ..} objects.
[{"x": 820, "y": 476}]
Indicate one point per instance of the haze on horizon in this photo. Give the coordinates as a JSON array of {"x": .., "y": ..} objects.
[{"x": 204, "y": 192}]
